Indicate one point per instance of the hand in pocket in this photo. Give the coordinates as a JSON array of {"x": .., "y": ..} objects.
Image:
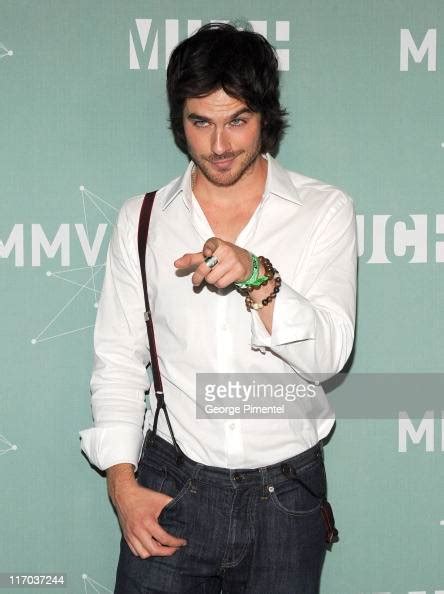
[{"x": 138, "y": 509}]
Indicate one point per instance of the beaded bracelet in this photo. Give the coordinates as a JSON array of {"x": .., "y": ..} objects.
[
  {"x": 270, "y": 273},
  {"x": 254, "y": 305}
]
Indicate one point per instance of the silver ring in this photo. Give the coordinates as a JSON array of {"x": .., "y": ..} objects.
[{"x": 211, "y": 261}]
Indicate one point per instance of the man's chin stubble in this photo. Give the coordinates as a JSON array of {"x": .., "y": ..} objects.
[{"x": 227, "y": 182}]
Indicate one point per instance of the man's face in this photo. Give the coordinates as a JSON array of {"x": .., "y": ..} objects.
[{"x": 223, "y": 136}]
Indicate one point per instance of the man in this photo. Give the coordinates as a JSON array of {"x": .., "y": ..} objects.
[{"x": 240, "y": 512}]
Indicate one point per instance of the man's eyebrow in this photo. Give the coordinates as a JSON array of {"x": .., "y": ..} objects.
[{"x": 196, "y": 116}]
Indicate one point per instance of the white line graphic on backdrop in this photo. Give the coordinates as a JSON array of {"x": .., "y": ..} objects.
[
  {"x": 58, "y": 273},
  {"x": 93, "y": 198},
  {"x": 4, "y": 52},
  {"x": 51, "y": 322},
  {"x": 10, "y": 446},
  {"x": 88, "y": 286},
  {"x": 93, "y": 585}
]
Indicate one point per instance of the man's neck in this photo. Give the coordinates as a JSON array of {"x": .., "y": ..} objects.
[{"x": 249, "y": 187}]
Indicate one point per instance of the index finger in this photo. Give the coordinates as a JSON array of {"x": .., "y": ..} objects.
[{"x": 188, "y": 260}]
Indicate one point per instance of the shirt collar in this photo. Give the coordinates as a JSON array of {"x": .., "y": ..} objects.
[{"x": 278, "y": 183}]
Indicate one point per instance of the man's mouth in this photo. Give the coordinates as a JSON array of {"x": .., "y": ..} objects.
[{"x": 221, "y": 165}]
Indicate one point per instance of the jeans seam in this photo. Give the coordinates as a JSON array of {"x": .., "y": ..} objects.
[
  {"x": 227, "y": 544},
  {"x": 289, "y": 512},
  {"x": 175, "y": 500}
]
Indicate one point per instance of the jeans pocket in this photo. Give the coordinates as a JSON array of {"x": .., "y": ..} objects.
[
  {"x": 177, "y": 492},
  {"x": 302, "y": 493},
  {"x": 151, "y": 475}
]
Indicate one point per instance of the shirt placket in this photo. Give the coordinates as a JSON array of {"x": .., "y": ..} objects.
[
  {"x": 234, "y": 445},
  {"x": 234, "y": 450}
]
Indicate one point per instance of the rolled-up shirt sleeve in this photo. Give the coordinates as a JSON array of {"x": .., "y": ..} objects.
[
  {"x": 313, "y": 329},
  {"x": 119, "y": 378}
]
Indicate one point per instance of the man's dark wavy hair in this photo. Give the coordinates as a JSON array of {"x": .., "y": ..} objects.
[{"x": 242, "y": 63}]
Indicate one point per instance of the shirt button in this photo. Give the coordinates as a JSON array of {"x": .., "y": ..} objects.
[
  {"x": 224, "y": 326},
  {"x": 232, "y": 425}
]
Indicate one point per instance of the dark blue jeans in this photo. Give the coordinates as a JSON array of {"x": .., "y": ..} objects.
[{"x": 249, "y": 531}]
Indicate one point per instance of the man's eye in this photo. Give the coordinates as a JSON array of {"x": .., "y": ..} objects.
[
  {"x": 237, "y": 122},
  {"x": 200, "y": 123}
]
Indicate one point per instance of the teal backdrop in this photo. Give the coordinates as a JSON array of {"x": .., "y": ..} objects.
[{"x": 83, "y": 126}]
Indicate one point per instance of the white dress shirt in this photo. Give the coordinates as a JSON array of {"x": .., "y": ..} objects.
[{"x": 308, "y": 231}]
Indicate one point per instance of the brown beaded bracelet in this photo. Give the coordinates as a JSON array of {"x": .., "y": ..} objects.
[
  {"x": 254, "y": 305},
  {"x": 270, "y": 273}
]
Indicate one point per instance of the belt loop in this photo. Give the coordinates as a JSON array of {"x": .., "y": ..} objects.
[
  {"x": 194, "y": 475},
  {"x": 264, "y": 475},
  {"x": 150, "y": 438},
  {"x": 321, "y": 449}
]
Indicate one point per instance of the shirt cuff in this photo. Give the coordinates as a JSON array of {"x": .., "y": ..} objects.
[
  {"x": 106, "y": 446},
  {"x": 293, "y": 319}
]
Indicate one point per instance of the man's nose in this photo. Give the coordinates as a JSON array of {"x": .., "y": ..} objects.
[{"x": 220, "y": 142}]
